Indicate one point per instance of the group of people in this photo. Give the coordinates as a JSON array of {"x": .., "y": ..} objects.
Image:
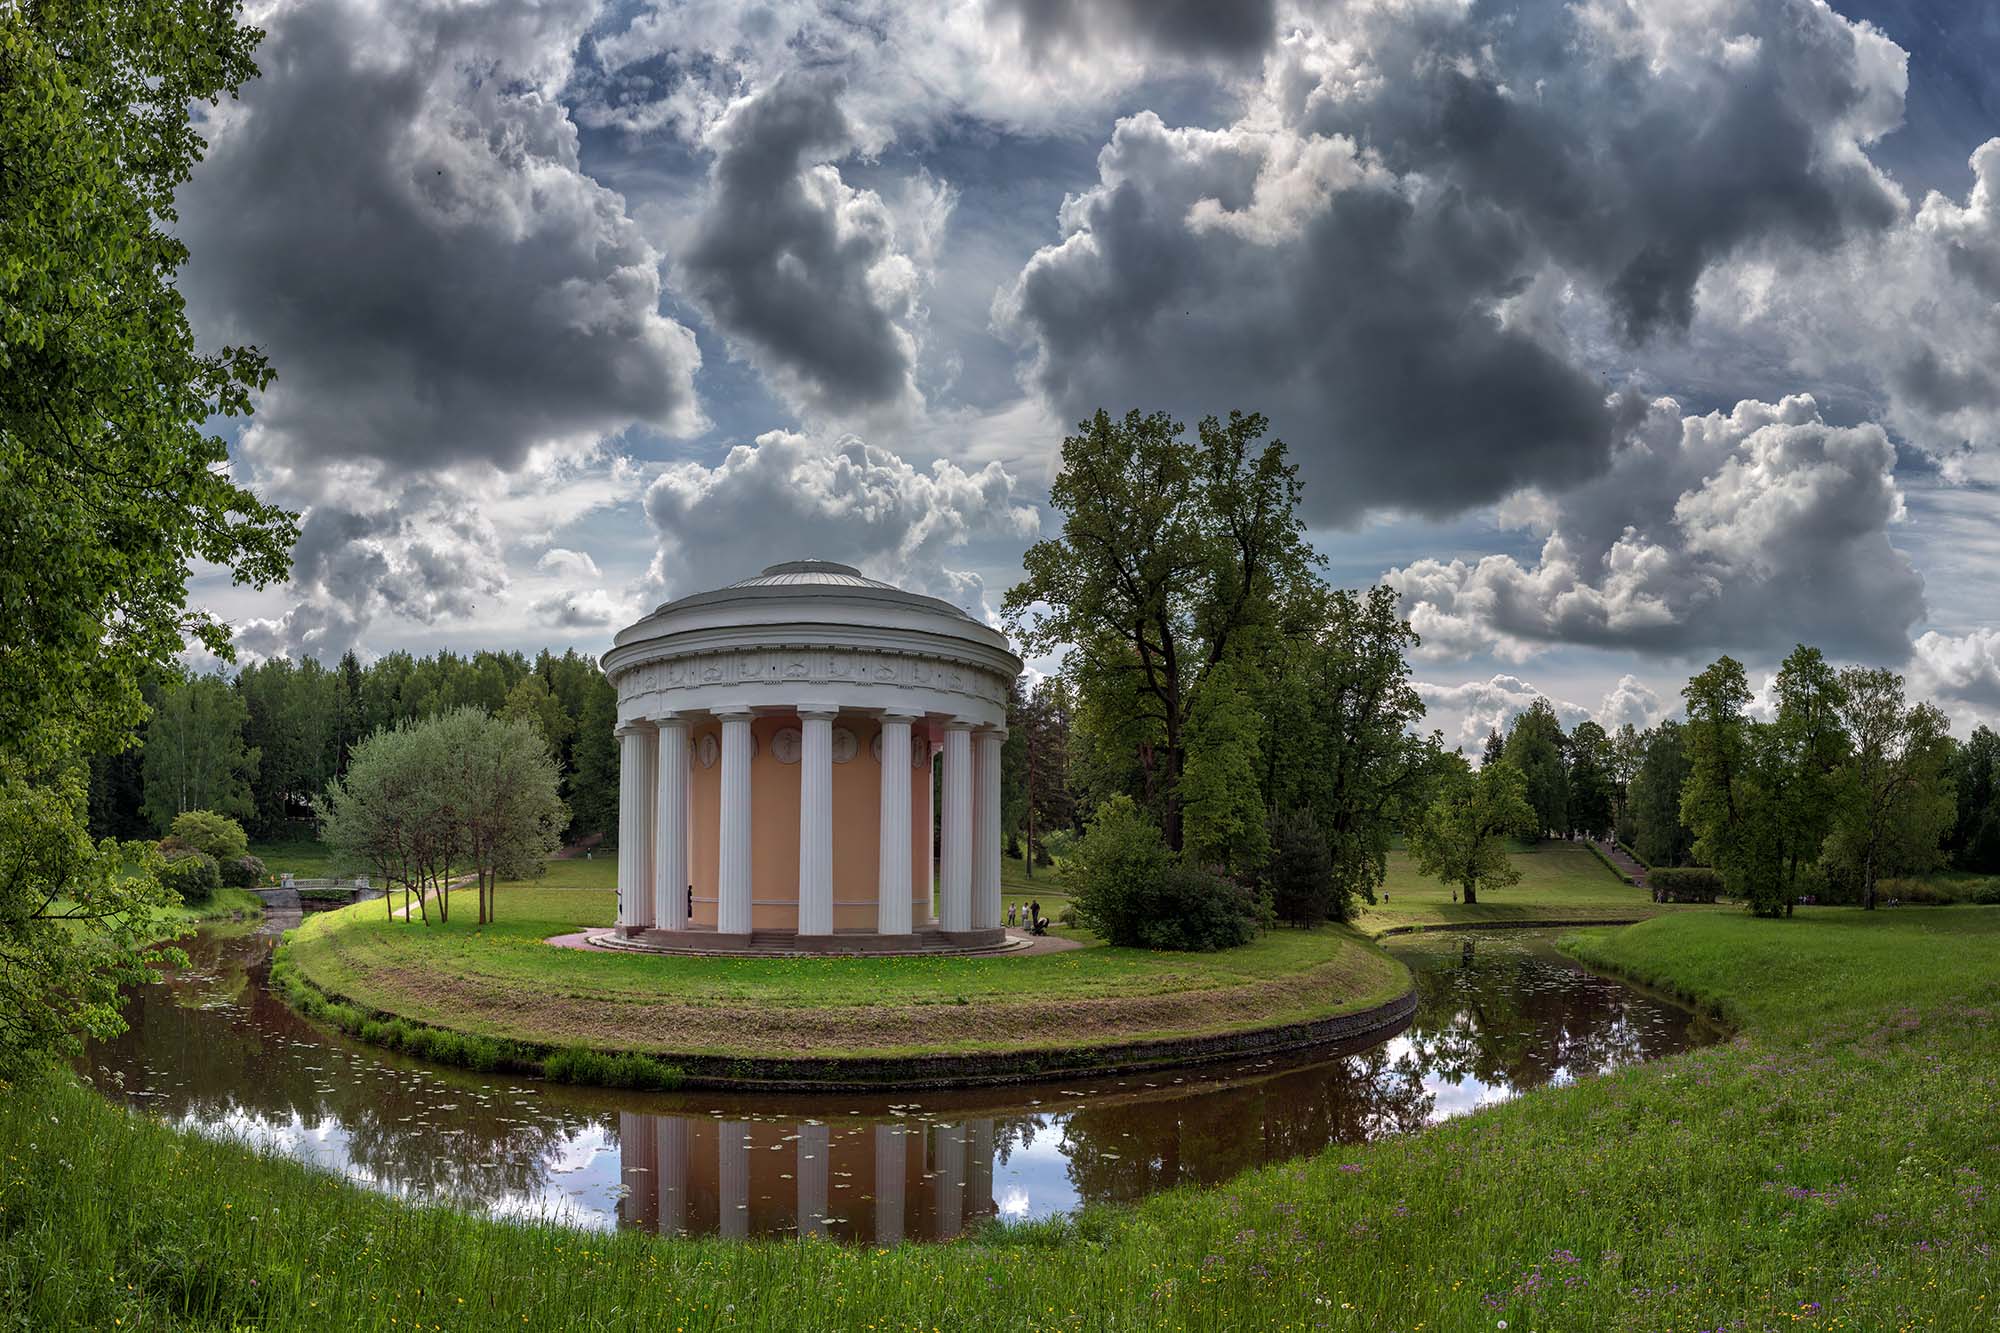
[{"x": 1029, "y": 917}]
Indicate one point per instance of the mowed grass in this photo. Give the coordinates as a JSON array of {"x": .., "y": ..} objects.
[
  {"x": 1837, "y": 1166},
  {"x": 505, "y": 980},
  {"x": 1560, "y": 882}
]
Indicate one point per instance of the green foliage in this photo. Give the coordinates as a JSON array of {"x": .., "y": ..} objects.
[
  {"x": 244, "y": 872},
  {"x": 1116, "y": 869},
  {"x": 1592, "y": 792},
  {"x": 463, "y": 792},
  {"x": 1461, "y": 837},
  {"x": 114, "y": 482},
  {"x": 206, "y": 831},
  {"x": 193, "y": 876},
  {"x": 1685, "y": 884},
  {"x": 1896, "y": 801},
  {"x": 1192, "y": 909},
  {"x": 1223, "y": 814},
  {"x": 1174, "y": 558},
  {"x": 195, "y": 756},
  {"x": 1653, "y": 798},
  {"x": 1300, "y": 877},
  {"x": 579, "y": 1064},
  {"x": 1974, "y": 840},
  {"x": 1535, "y": 746},
  {"x": 76, "y": 918}
]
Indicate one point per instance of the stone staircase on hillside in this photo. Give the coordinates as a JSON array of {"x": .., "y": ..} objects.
[{"x": 1619, "y": 857}]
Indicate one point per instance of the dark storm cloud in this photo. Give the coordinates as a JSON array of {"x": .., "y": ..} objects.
[
  {"x": 1231, "y": 29},
  {"x": 395, "y": 214},
  {"x": 795, "y": 263},
  {"x": 1382, "y": 253}
]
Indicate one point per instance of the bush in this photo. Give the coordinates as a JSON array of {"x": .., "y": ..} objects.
[
  {"x": 1129, "y": 889},
  {"x": 1685, "y": 884},
  {"x": 215, "y": 835},
  {"x": 243, "y": 872},
  {"x": 195, "y": 876},
  {"x": 1923, "y": 892}
]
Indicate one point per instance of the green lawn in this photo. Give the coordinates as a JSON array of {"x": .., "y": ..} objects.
[
  {"x": 305, "y": 857},
  {"x": 1837, "y": 1167},
  {"x": 479, "y": 981},
  {"x": 1560, "y": 881}
]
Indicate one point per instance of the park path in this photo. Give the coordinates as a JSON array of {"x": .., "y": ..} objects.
[{"x": 1624, "y": 861}]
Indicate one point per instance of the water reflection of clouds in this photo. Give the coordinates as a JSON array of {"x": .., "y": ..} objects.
[{"x": 1495, "y": 1017}]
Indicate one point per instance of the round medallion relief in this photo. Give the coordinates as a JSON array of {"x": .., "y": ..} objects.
[
  {"x": 708, "y": 749},
  {"x": 785, "y": 744},
  {"x": 845, "y": 745},
  {"x": 875, "y": 747}
]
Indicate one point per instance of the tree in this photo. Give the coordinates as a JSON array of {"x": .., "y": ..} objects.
[
  {"x": 1805, "y": 747},
  {"x": 1653, "y": 798},
  {"x": 1342, "y": 729},
  {"x": 1461, "y": 838},
  {"x": 114, "y": 481},
  {"x": 532, "y": 701},
  {"x": 1301, "y": 872},
  {"x": 1173, "y": 555},
  {"x": 383, "y": 815},
  {"x": 1625, "y": 751},
  {"x": 1496, "y": 747},
  {"x": 1129, "y": 888},
  {"x": 211, "y": 834},
  {"x": 1591, "y": 788},
  {"x": 1224, "y": 822},
  {"x": 1974, "y": 841},
  {"x": 1896, "y": 793},
  {"x": 499, "y": 782},
  {"x": 195, "y": 756},
  {"x": 1535, "y": 746},
  {"x": 1718, "y": 799}
]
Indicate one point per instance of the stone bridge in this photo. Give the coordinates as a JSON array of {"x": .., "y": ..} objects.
[{"x": 317, "y": 890}]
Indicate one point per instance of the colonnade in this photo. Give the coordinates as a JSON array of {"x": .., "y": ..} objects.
[{"x": 653, "y": 822}]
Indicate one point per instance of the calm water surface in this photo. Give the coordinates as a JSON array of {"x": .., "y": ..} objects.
[{"x": 212, "y": 1051}]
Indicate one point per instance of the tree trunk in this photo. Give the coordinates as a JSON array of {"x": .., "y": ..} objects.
[
  {"x": 1868, "y": 879},
  {"x": 1471, "y": 894}
]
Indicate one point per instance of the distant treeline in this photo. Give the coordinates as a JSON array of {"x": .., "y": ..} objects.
[{"x": 260, "y": 745}]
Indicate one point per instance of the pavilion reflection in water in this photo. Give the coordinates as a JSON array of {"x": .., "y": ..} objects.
[{"x": 866, "y": 1182}]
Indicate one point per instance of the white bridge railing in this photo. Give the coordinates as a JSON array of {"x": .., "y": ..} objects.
[{"x": 359, "y": 883}]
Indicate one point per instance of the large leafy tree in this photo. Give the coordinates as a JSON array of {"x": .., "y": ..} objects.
[
  {"x": 196, "y": 756},
  {"x": 1896, "y": 796},
  {"x": 1724, "y": 800},
  {"x": 1535, "y": 744},
  {"x": 1592, "y": 789},
  {"x": 1174, "y": 556},
  {"x": 1653, "y": 796},
  {"x": 1461, "y": 837},
  {"x": 114, "y": 481},
  {"x": 1342, "y": 722},
  {"x": 1974, "y": 841}
]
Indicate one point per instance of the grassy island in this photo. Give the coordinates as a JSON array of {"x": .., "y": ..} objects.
[
  {"x": 1835, "y": 1166},
  {"x": 503, "y": 983}
]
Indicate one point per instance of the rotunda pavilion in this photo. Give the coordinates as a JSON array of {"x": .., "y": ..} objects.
[{"x": 780, "y": 745}]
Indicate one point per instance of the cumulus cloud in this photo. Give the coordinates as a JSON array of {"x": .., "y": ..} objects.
[
  {"x": 800, "y": 269},
  {"x": 1479, "y": 707},
  {"x": 1239, "y": 30},
  {"x": 395, "y": 214},
  {"x": 1747, "y": 530},
  {"x": 1960, "y": 668},
  {"x": 1378, "y": 251},
  {"x": 567, "y": 564},
  {"x": 790, "y": 496}
]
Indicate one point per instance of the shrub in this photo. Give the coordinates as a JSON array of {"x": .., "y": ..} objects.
[
  {"x": 216, "y": 835},
  {"x": 243, "y": 872},
  {"x": 193, "y": 875},
  {"x": 1987, "y": 894},
  {"x": 1685, "y": 884},
  {"x": 1922, "y": 892},
  {"x": 1129, "y": 889}
]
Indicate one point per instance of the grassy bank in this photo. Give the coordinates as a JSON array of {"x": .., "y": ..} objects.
[
  {"x": 1837, "y": 1166},
  {"x": 1560, "y": 881},
  {"x": 504, "y": 981}
]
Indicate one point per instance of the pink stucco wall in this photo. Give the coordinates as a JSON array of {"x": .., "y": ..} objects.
[{"x": 774, "y": 844}]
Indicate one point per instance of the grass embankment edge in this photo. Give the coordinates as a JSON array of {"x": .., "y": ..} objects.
[{"x": 832, "y": 1073}]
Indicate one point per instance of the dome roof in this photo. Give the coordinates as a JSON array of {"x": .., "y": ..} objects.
[{"x": 793, "y": 578}]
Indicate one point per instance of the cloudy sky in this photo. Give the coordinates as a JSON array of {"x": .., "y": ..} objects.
[{"x": 1616, "y": 334}]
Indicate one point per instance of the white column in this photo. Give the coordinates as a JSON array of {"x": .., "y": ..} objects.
[
  {"x": 816, "y": 819},
  {"x": 732, "y": 912},
  {"x": 893, "y": 887},
  {"x": 640, "y": 1170},
  {"x": 815, "y": 1145},
  {"x": 979, "y": 1168},
  {"x": 889, "y": 1179},
  {"x": 732, "y": 1174},
  {"x": 672, "y": 1159},
  {"x": 670, "y": 843},
  {"x": 986, "y": 828},
  {"x": 635, "y": 824},
  {"x": 956, "y": 913}
]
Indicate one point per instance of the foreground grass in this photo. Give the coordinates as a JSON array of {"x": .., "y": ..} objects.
[
  {"x": 1834, "y": 1167},
  {"x": 1560, "y": 881}
]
